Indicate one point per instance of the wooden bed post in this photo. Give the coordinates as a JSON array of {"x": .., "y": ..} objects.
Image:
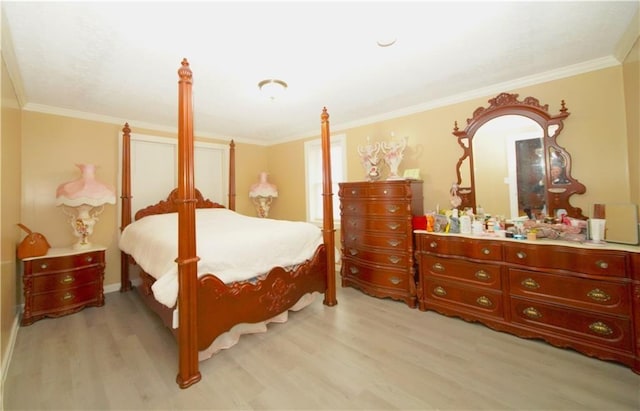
[
  {"x": 187, "y": 260},
  {"x": 125, "y": 281},
  {"x": 232, "y": 176},
  {"x": 328, "y": 231}
]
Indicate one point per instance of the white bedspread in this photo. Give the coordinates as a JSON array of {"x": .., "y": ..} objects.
[{"x": 231, "y": 246}]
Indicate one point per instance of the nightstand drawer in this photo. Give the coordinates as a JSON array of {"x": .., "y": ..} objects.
[
  {"x": 61, "y": 299},
  {"x": 65, "y": 280},
  {"x": 52, "y": 264}
]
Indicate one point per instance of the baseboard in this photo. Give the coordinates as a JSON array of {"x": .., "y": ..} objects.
[{"x": 6, "y": 361}]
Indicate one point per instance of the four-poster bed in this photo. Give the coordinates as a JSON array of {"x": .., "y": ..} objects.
[{"x": 208, "y": 306}]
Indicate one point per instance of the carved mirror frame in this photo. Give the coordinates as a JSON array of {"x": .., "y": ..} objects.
[{"x": 557, "y": 195}]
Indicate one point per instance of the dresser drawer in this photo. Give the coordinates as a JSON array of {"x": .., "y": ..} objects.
[
  {"x": 603, "y": 263},
  {"x": 379, "y": 277},
  {"x": 578, "y": 292},
  {"x": 376, "y": 208},
  {"x": 376, "y": 191},
  {"x": 398, "y": 259},
  {"x": 53, "y": 264},
  {"x": 60, "y": 299},
  {"x": 360, "y": 240},
  {"x": 611, "y": 331},
  {"x": 482, "y": 301},
  {"x": 387, "y": 225},
  {"x": 460, "y": 246},
  {"x": 65, "y": 280},
  {"x": 485, "y": 275}
]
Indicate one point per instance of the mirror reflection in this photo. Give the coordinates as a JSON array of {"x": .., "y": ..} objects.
[{"x": 509, "y": 166}]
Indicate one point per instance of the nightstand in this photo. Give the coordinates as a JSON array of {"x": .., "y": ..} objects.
[{"x": 62, "y": 282}]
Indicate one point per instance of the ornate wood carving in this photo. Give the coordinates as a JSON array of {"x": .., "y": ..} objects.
[
  {"x": 557, "y": 197},
  {"x": 170, "y": 205}
]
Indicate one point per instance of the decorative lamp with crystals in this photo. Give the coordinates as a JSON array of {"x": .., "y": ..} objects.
[
  {"x": 262, "y": 194},
  {"x": 83, "y": 200}
]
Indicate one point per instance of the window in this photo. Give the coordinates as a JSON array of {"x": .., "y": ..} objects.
[{"x": 313, "y": 166}]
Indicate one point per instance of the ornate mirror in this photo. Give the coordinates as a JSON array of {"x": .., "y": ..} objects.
[{"x": 512, "y": 164}]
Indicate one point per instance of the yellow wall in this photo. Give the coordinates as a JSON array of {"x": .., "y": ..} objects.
[
  {"x": 10, "y": 210},
  {"x": 594, "y": 134},
  {"x": 631, "y": 70},
  {"x": 53, "y": 144}
]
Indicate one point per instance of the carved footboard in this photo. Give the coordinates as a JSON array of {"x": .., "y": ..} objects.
[{"x": 221, "y": 306}]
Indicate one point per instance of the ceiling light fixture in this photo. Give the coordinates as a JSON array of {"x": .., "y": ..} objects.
[
  {"x": 388, "y": 42},
  {"x": 272, "y": 88}
]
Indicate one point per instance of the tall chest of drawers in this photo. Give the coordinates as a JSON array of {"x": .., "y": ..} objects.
[
  {"x": 584, "y": 298},
  {"x": 377, "y": 237},
  {"x": 62, "y": 282}
]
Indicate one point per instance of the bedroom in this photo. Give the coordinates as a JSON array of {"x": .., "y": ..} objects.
[{"x": 50, "y": 143}]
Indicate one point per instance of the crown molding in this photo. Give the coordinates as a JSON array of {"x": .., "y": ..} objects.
[{"x": 551, "y": 75}]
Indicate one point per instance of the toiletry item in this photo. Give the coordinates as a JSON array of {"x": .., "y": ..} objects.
[
  {"x": 477, "y": 227},
  {"x": 465, "y": 224},
  {"x": 596, "y": 229}
]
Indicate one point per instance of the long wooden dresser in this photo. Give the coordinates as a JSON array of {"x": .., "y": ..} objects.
[
  {"x": 583, "y": 297},
  {"x": 377, "y": 237}
]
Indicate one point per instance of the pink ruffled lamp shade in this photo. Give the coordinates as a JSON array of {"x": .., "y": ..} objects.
[
  {"x": 262, "y": 194},
  {"x": 85, "y": 197}
]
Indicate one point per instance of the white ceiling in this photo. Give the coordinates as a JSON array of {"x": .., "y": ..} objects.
[{"x": 117, "y": 61}]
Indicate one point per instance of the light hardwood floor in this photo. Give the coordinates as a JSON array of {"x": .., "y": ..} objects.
[{"x": 365, "y": 353}]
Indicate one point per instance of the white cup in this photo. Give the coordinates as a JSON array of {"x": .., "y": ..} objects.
[{"x": 596, "y": 228}]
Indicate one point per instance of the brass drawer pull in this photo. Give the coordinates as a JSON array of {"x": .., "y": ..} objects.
[
  {"x": 395, "y": 259},
  {"x": 44, "y": 266},
  {"x": 521, "y": 255},
  {"x": 439, "y": 291},
  {"x": 602, "y": 264},
  {"x": 353, "y": 192},
  {"x": 89, "y": 259},
  {"x": 352, "y": 208},
  {"x": 353, "y": 238},
  {"x": 395, "y": 280},
  {"x": 433, "y": 244},
  {"x": 394, "y": 243},
  {"x": 437, "y": 267},
  {"x": 68, "y": 279},
  {"x": 482, "y": 275},
  {"x": 486, "y": 251},
  {"x": 353, "y": 223},
  {"x": 67, "y": 296},
  {"x": 393, "y": 226},
  {"x": 530, "y": 283},
  {"x": 600, "y": 328},
  {"x": 353, "y": 251},
  {"x": 532, "y": 313},
  {"x": 354, "y": 270},
  {"x": 484, "y": 301},
  {"x": 385, "y": 192},
  {"x": 598, "y": 295},
  {"x": 393, "y": 208}
]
